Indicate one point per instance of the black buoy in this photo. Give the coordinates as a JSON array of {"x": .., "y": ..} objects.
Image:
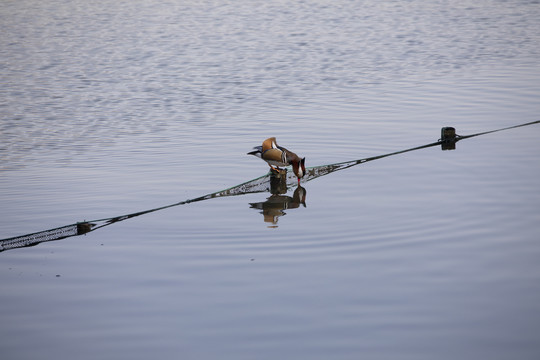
[
  {"x": 448, "y": 138},
  {"x": 84, "y": 227}
]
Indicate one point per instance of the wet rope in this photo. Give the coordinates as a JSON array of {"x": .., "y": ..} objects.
[{"x": 260, "y": 184}]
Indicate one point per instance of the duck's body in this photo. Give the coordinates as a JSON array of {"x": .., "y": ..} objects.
[{"x": 277, "y": 156}]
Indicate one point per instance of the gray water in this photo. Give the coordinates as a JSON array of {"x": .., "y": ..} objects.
[{"x": 113, "y": 107}]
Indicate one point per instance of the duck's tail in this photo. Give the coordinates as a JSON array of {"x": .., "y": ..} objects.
[{"x": 257, "y": 151}]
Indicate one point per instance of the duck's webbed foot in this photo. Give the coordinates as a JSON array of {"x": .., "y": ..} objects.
[{"x": 275, "y": 169}]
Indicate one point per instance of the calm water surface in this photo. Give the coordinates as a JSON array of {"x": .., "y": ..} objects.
[{"x": 114, "y": 107}]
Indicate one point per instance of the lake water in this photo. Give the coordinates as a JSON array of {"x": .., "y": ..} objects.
[{"x": 110, "y": 108}]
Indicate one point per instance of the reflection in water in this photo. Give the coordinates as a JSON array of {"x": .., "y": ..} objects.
[
  {"x": 275, "y": 183},
  {"x": 276, "y": 204}
]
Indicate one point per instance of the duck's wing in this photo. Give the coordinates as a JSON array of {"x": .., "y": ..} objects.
[
  {"x": 269, "y": 143},
  {"x": 275, "y": 156}
]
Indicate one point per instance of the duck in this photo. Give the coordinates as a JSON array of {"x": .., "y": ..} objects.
[{"x": 277, "y": 156}]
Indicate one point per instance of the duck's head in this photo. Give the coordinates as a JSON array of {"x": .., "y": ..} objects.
[{"x": 299, "y": 168}]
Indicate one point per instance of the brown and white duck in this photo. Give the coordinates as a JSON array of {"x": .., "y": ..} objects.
[{"x": 277, "y": 156}]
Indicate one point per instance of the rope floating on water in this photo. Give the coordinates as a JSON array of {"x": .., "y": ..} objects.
[{"x": 267, "y": 183}]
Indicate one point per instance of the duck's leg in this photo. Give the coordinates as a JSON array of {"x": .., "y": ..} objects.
[{"x": 274, "y": 169}]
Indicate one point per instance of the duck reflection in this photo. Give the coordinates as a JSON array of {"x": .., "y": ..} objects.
[{"x": 278, "y": 202}]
